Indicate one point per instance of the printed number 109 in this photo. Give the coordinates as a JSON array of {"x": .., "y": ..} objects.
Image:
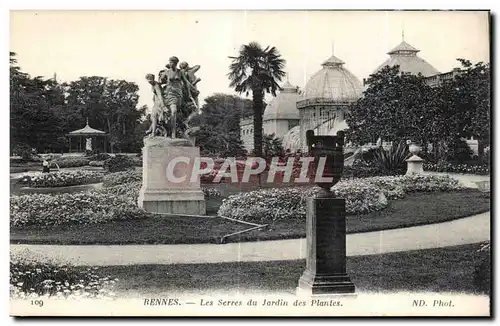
[{"x": 37, "y": 303}]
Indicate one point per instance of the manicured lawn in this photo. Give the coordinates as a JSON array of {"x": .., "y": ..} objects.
[
  {"x": 415, "y": 209},
  {"x": 154, "y": 230},
  {"x": 448, "y": 269}
]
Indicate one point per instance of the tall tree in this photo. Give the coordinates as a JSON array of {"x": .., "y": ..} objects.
[
  {"x": 219, "y": 124},
  {"x": 395, "y": 106},
  {"x": 32, "y": 124},
  {"x": 110, "y": 105},
  {"x": 470, "y": 106},
  {"x": 257, "y": 70},
  {"x": 43, "y": 111}
]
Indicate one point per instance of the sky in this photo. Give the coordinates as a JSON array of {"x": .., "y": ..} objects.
[{"x": 129, "y": 44}]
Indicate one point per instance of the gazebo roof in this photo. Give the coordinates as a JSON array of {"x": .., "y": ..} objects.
[{"x": 87, "y": 131}]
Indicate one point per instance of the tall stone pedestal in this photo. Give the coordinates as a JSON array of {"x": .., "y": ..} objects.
[
  {"x": 326, "y": 249},
  {"x": 415, "y": 165},
  {"x": 161, "y": 194}
]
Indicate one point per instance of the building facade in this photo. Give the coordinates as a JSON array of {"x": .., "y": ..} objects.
[
  {"x": 326, "y": 97},
  {"x": 246, "y": 132},
  {"x": 281, "y": 113}
]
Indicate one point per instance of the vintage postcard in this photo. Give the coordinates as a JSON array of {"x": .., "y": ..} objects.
[{"x": 250, "y": 163}]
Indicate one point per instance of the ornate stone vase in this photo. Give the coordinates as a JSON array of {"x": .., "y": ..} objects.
[
  {"x": 414, "y": 148},
  {"x": 330, "y": 147}
]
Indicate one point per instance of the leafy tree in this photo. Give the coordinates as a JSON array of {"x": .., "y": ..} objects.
[
  {"x": 458, "y": 151},
  {"x": 395, "y": 106},
  {"x": 257, "y": 70},
  {"x": 463, "y": 111},
  {"x": 31, "y": 122},
  {"x": 272, "y": 146},
  {"x": 470, "y": 102},
  {"x": 110, "y": 105},
  {"x": 219, "y": 124},
  {"x": 44, "y": 111}
]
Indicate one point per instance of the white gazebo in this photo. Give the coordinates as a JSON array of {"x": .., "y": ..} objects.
[{"x": 90, "y": 135}]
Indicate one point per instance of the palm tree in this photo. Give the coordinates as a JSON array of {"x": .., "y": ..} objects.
[{"x": 258, "y": 70}]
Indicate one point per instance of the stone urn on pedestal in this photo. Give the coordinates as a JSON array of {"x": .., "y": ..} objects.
[
  {"x": 415, "y": 163},
  {"x": 325, "y": 271}
]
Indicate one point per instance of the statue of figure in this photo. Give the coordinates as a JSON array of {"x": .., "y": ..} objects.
[
  {"x": 88, "y": 144},
  {"x": 175, "y": 94},
  {"x": 189, "y": 72},
  {"x": 159, "y": 108},
  {"x": 172, "y": 79}
]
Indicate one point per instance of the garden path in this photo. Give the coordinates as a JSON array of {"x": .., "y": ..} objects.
[{"x": 471, "y": 229}]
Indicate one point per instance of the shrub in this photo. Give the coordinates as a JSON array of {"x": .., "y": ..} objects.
[
  {"x": 211, "y": 192},
  {"x": 117, "y": 178},
  {"x": 99, "y": 157},
  {"x": 365, "y": 169},
  {"x": 71, "y": 162},
  {"x": 209, "y": 177},
  {"x": 81, "y": 208},
  {"x": 33, "y": 278},
  {"x": 482, "y": 272},
  {"x": 480, "y": 169},
  {"x": 392, "y": 160},
  {"x": 368, "y": 155},
  {"x": 121, "y": 163},
  {"x": 458, "y": 151},
  {"x": 62, "y": 178},
  {"x": 361, "y": 169},
  {"x": 24, "y": 151}
]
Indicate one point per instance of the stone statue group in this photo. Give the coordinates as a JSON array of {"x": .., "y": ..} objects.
[{"x": 175, "y": 100}]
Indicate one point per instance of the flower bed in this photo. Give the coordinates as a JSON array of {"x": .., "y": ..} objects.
[
  {"x": 395, "y": 187},
  {"x": 129, "y": 191},
  {"x": 267, "y": 205},
  {"x": 481, "y": 169},
  {"x": 62, "y": 179},
  {"x": 430, "y": 183},
  {"x": 117, "y": 178},
  {"x": 129, "y": 183},
  {"x": 34, "y": 278},
  {"x": 361, "y": 195},
  {"x": 71, "y": 162},
  {"x": 81, "y": 208},
  {"x": 122, "y": 163},
  {"x": 96, "y": 163}
]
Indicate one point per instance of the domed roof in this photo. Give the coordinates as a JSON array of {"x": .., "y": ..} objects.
[
  {"x": 333, "y": 82},
  {"x": 405, "y": 56},
  {"x": 291, "y": 140},
  {"x": 284, "y": 105}
]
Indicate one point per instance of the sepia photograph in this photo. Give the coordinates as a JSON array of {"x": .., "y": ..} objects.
[{"x": 280, "y": 163}]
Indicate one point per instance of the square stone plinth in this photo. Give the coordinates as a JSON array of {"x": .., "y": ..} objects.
[
  {"x": 167, "y": 182},
  {"x": 325, "y": 271},
  {"x": 189, "y": 202}
]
